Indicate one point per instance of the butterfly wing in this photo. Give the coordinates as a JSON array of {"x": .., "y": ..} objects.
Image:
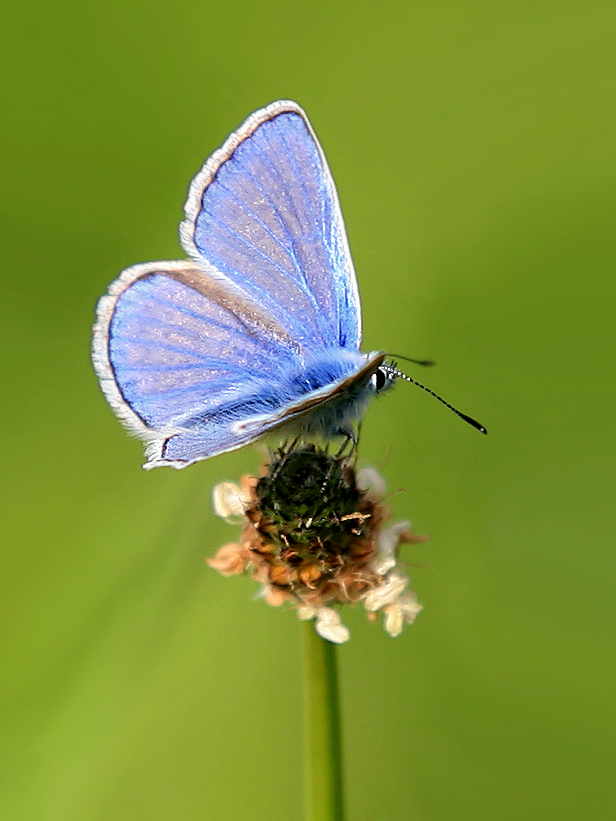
[
  {"x": 264, "y": 214},
  {"x": 171, "y": 347},
  {"x": 198, "y": 358},
  {"x": 195, "y": 369}
]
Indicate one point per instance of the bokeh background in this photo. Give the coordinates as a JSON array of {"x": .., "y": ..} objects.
[{"x": 473, "y": 148}]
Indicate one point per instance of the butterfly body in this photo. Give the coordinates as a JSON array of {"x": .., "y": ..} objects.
[{"x": 260, "y": 329}]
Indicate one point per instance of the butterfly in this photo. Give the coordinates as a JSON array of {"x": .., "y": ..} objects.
[{"x": 260, "y": 328}]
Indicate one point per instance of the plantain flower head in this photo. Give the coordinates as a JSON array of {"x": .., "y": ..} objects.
[{"x": 314, "y": 537}]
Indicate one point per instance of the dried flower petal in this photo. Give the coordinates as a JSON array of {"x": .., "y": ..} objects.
[
  {"x": 394, "y": 619},
  {"x": 371, "y": 481},
  {"x": 275, "y": 597},
  {"x": 229, "y": 560},
  {"x": 410, "y": 606},
  {"x": 229, "y": 502},
  {"x": 329, "y": 626},
  {"x": 386, "y": 593},
  {"x": 387, "y": 542},
  {"x": 306, "y": 612}
]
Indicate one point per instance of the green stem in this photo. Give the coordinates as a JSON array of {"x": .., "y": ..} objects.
[{"x": 323, "y": 750}]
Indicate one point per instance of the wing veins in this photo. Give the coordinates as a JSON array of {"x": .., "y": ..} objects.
[
  {"x": 151, "y": 343},
  {"x": 222, "y": 291},
  {"x": 176, "y": 392},
  {"x": 175, "y": 328},
  {"x": 291, "y": 252},
  {"x": 258, "y": 219},
  {"x": 301, "y": 181},
  {"x": 295, "y": 212},
  {"x": 308, "y": 294},
  {"x": 260, "y": 352}
]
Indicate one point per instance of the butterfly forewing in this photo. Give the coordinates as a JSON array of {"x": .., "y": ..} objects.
[{"x": 264, "y": 213}]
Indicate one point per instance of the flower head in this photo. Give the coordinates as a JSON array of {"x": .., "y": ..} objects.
[{"x": 314, "y": 537}]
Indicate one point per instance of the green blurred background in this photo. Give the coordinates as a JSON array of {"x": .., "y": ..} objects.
[{"x": 473, "y": 148}]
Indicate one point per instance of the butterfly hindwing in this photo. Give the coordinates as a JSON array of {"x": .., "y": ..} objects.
[{"x": 172, "y": 346}]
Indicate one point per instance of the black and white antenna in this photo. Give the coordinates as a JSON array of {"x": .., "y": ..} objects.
[{"x": 393, "y": 371}]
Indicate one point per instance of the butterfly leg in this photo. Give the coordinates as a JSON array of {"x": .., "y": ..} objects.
[
  {"x": 284, "y": 452},
  {"x": 345, "y": 453},
  {"x": 350, "y": 442}
]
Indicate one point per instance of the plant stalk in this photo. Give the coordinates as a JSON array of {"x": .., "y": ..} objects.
[{"x": 323, "y": 787}]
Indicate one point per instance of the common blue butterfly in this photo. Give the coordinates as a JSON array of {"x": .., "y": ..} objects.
[{"x": 260, "y": 329}]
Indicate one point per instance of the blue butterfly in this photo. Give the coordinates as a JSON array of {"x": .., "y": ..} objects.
[{"x": 260, "y": 329}]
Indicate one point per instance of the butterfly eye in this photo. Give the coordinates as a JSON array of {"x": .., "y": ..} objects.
[{"x": 380, "y": 379}]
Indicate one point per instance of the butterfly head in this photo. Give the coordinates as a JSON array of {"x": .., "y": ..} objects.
[{"x": 384, "y": 377}]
